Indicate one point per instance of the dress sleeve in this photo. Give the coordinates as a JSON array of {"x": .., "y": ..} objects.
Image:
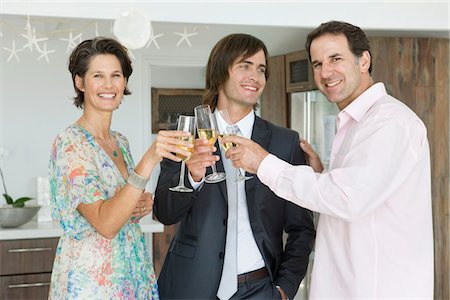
[{"x": 74, "y": 179}]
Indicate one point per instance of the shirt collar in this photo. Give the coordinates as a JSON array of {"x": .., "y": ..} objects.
[
  {"x": 245, "y": 124},
  {"x": 359, "y": 107}
]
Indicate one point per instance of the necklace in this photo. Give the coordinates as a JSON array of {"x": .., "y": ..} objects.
[{"x": 107, "y": 142}]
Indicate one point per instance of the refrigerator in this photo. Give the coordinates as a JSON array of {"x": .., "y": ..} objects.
[{"x": 314, "y": 118}]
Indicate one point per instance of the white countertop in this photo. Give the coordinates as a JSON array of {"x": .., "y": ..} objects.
[{"x": 34, "y": 230}]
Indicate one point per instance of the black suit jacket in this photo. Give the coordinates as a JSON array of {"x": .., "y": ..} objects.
[{"x": 193, "y": 265}]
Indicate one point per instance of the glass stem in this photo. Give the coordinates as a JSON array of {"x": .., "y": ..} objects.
[
  {"x": 214, "y": 170},
  {"x": 183, "y": 167}
]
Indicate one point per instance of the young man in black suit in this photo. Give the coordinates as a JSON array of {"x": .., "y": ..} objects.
[{"x": 236, "y": 75}]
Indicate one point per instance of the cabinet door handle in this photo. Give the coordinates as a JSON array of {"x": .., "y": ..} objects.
[
  {"x": 21, "y": 250},
  {"x": 28, "y": 285}
]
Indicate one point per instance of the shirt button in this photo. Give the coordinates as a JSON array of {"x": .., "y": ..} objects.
[{"x": 221, "y": 255}]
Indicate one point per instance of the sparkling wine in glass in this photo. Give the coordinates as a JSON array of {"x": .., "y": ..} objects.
[
  {"x": 207, "y": 129},
  {"x": 231, "y": 129},
  {"x": 185, "y": 123}
]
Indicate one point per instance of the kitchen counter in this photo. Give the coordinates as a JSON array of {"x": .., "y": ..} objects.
[{"x": 35, "y": 230}]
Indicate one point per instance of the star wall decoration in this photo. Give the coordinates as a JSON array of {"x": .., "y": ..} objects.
[
  {"x": 72, "y": 41},
  {"x": 153, "y": 38},
  {"x": 32, "y": 40},
  {"x": 37, "y": 37},
  {"x": 45, "y": 53},
  {"x": 185, "y": 36},
  {"x": 13, "y": 51},
  {"x": 28, "y": 35}
]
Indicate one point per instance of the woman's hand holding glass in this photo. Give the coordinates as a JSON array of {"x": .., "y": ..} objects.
[
  {"x": 186, "y": 124},
  {"x": 169, "y": 144}
]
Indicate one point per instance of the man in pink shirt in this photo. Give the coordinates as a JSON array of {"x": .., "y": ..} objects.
[{"x": 374, "y": 236}]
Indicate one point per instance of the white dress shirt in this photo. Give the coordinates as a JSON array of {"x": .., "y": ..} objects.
[
  {"x": 374, "y": 236},
  {"x": 249, "y": 257}
]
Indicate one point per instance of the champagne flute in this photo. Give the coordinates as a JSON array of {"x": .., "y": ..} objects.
[
  {"x": 185, "y": 123},
  {"x": 207, "y": 129},
  {"x": 231, "y": 129}
]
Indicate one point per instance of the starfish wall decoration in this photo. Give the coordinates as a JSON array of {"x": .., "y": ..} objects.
[
  {"x": 13, "y": 52},
  {"x": 44, "y": 53},
  {"x": 72, "y": 41},
  {"x": 153, "y": 38},
  {"x": 28, "y": 35},
  {"x": 185, "y": 36},
  {"x": 32, "y": 40}
]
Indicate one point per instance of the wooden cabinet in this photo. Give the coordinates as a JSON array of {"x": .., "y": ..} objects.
[
  {"x": 274, "y": 99},
  {"x": 25, "y": 268},
  {"x": 289, "y": 73},
  {"x": 299, "y": 74}
]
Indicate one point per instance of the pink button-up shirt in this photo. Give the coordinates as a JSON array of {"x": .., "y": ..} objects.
[{"x": 374, "y": 236}]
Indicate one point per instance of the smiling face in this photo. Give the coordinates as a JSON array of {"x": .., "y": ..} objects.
[
  {"x": 103, "y": 84},
  {"x": 246, "y": 82},
  {"x": 338, "y": 73}
]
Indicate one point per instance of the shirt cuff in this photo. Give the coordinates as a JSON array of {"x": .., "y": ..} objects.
[
  {"x": 270, "y": 169},
  {"x": 195, "y": 185}
]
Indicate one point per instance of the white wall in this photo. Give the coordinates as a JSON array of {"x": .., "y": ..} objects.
[{"x": 35, "y": 105}]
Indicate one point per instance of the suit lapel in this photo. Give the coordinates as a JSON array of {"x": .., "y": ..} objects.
[
  {"x": 220, "y": 168},
  {"x": 260, "y": 135},
  {"x": 261, "y": 132}
]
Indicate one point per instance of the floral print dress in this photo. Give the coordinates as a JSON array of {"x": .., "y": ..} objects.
[{"x": 87, "y": 265}]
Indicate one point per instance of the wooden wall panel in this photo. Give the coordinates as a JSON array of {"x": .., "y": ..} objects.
[
  {"x": 440, "y": 171},
  {"x": 274, "y": 98},
  {"x": 416, "y": 71}
]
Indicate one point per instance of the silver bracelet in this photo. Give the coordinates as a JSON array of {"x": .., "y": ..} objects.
[{"x": 137, "y": 180}]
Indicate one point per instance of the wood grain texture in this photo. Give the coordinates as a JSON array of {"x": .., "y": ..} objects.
[
  {"x": 25, "y": 287},
  {"x": 25, "y": 268},
  {"x": 27, "y": 256},
  {"x": 274, "y": 97},
  {"x": 416, "y": 71}
]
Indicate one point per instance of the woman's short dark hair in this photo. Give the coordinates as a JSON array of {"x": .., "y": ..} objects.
[
  {"x": 81, "y": 57},
  {"x": 356, "y": 38},
  {"x": 222, "y": 57}
]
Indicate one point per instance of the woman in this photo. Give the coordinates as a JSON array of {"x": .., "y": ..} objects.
[{"x": 97, "y": 193}]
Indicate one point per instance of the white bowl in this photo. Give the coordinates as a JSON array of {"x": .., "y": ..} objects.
[{"x": 16, "y": 216}]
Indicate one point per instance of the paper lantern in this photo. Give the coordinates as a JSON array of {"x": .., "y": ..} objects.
[{"x": 132, "y": 29}]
